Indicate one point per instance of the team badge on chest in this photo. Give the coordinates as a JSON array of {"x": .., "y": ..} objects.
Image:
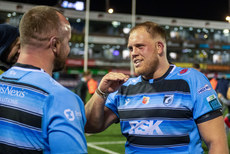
[
  {"x": 168, "y": 100},
  {"x": 145, "y": 100}
]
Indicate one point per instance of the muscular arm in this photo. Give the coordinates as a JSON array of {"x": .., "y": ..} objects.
[
  {"x": 98, "y": 116},
  {"x": 214, "y": 135}
]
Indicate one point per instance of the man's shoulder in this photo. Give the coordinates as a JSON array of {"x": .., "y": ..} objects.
[
  {"x": 133, "y": 81},
  {"x": 33, "y": 78},
  {"x": 190, "y": 75},
  {"x": 186, "y": 72}
]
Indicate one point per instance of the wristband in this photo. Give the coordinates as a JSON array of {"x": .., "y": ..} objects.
[{"x": 101, "y": 94}]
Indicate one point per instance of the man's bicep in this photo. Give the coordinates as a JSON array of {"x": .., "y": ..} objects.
[
  {"x": 110, "y": 117},
  {"x": 212, "y": 131}
]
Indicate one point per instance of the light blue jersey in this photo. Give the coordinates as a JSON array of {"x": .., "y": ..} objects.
[
  {"x": 38, "y": 115},
  {"x": 161, "y": 115}
]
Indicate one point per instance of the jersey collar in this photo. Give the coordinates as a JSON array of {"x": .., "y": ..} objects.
[
  {"x": 28, "y": 66},
  {"x": 171, "y": 67}
]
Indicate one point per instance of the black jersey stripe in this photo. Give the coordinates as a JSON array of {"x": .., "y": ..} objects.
[
  {"x": 150, "y": 113},
  {"x": 162, "y": 86},
  {"x": 158, "y": 140},
  {"x": 12, "y": 150},
  {"x": 20, "y": 116}
]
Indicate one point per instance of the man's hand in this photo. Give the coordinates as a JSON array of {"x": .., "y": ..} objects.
[
  {"x": 98, "y": 116},
  {"x": 112, "y": 81}
]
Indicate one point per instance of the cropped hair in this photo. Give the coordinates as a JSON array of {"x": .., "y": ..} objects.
[
  {"x": 40, "y": 24},
  {"x": 152, "y": 28}
]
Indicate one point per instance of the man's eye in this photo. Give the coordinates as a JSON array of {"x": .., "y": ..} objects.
[
  {"x": 130, "y": 49},
  {"x": 139, "y": 46}
]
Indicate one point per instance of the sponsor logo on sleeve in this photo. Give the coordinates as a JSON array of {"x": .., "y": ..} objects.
[
  {"x": 210, "y": 98},
  {"x": 69, "y": 114},
  {"x": 78, "y": 114},
  {"x": 203, "y": 89},
  {"x": 213, "y": 102}
]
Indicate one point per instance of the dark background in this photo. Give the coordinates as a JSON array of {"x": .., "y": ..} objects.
[{"x": 193, "y": 9}]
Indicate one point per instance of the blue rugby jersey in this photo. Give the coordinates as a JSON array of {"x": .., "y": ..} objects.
[
  {"x": 161, "y": 115},
  {"x": 38, "y": 115}
]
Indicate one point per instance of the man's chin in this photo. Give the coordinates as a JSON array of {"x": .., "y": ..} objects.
[{"x": 137, "y": 72}]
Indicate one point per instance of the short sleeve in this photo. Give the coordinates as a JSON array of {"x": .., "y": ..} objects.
[
  {"x": 204, "y": 96},
  {"x": 64, "y": 123},
  {"x": 111, "y": 103}
]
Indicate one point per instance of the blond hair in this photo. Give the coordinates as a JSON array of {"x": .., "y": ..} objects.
[{"x": 152, "y": 28}]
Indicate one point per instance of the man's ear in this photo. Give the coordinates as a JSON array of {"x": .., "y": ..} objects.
[
  {"x": 54, "y": 44},
  {"x": 160, "y": 47}
]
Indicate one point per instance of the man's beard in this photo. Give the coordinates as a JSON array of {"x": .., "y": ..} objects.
[
  {"x": 59, "y": 64},
  {"x": 148, "y": 69}
]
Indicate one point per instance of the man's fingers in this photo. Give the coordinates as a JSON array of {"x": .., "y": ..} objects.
[
  {"x": 112, "y": 80},
  {"x": 112, "y": 76}
]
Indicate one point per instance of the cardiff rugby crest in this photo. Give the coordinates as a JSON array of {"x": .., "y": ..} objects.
[{"x": 168, "y": 99}]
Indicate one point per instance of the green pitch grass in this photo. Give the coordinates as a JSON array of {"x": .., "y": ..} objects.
[{"x": 111, "y": 134}]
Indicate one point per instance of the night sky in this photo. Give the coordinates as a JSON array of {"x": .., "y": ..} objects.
[
  {"x": 193, "y": 9},
  {"x": 215, "y": 10}
]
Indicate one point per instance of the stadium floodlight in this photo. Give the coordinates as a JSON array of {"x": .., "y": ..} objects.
[
  {"x": 78, "y": 5},
  {"x": 228, "y": 19},
  {"x": 110, "y": 10}
]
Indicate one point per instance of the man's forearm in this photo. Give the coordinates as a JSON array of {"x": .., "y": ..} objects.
[
  {"x": 98, "y": 116},
  {"x": 94, "y": 110}
]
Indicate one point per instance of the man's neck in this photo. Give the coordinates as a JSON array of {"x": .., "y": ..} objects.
[{"x": 37, "y": 58}]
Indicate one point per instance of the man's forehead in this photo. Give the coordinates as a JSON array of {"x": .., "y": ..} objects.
[
  {"x": 67, "y": 27},
  {"x": 138, "y": 33},
  {"x": 63, "y": 18}
]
